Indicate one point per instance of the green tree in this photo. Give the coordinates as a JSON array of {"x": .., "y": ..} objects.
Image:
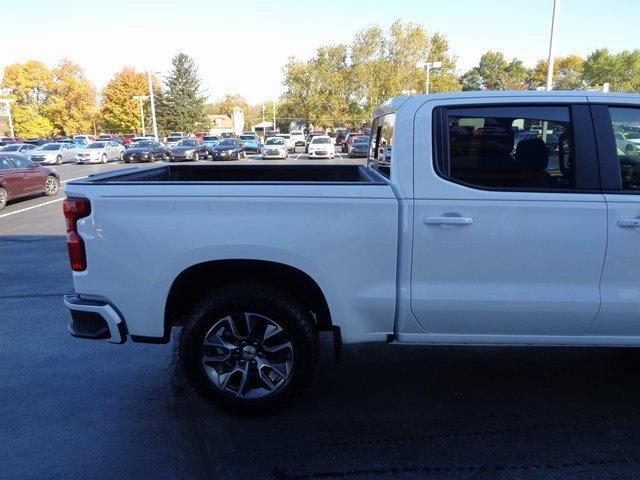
[
  {"x": 621, "y": 70},
  {"x": 568, "y": 73},
  {"x": 183, "y": 96},
  {"x": 494, "y": 72}
]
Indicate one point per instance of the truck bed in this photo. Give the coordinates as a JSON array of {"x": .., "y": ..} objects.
[{"x": 180, "y": 174}]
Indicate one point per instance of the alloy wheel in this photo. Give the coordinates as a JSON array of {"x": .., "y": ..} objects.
[
  {"x": 51, "y": 186},
  {"x": 247, "y": 355}
]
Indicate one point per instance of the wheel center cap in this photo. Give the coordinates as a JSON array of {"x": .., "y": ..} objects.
[{"x": 249, "y": 352}]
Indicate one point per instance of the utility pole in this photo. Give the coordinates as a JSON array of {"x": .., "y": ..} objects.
[
  {"x": 8, "y": 102},
  {"x": 554, "y": 19},
  {"x": 141, "y": 99},
  {"x": 153, "y": 106},
  {"x": 274, "y": 115}
]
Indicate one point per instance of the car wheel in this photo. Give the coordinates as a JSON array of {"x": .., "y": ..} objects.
[
  {"x": 104, "y": 158},
  {"x": 249, "y": 348},
  {"x": 196, "y": 157},
  {"x": 51, "y": 186},
  {"x": 58, "y": 160},
  {"x": 3, "y": 198}
]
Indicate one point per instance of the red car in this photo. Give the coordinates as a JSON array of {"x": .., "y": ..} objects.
[
  {"x": 127, "y": 137},
  {"x": 20, "y": 177},
  {"x": 346, "y": 143}
]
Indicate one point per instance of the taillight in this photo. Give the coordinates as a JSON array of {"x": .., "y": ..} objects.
[{"x": 74, "y": 209}]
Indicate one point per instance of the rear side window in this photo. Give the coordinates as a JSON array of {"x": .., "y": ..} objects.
[
  {"x": 512, "y": 147},
  {"x": 381, "y": 146},
  {"x": 626, "y": 132}
]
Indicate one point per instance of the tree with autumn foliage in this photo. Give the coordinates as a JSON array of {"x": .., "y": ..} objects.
[
  {"x": 29, "y": 84},
  {"x": 71, "y": 106},
  {"x": 120, "y": 113}
]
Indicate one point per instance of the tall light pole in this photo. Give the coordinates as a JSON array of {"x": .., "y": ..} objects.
[
  {"x": 153, "y": 106},
  {"x": 274, "y": 115},
  {"x": 141, "y": 99},
  {"x": 7, "y": 102},
  {"x": 428, "y": 66},
  {"x": 554, "y": 19}
]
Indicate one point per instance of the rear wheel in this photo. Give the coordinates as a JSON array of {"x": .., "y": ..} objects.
[
  {"x": 51, "y": 186},
  {"x": 249, "y": 348},
  {"x": 3, "y": 198}
]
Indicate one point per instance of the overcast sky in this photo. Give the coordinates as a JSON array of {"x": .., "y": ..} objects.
[{"x": 240, "y": 46}]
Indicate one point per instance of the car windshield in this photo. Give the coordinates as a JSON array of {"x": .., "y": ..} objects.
[
  {"x": 321, "y": 140},
  {"x": 275, "y": 141},
  {"x": 361, "y": 140},
  {"x": 10, "y": 148},
  {"x": 51, "y": 146},
  {"x": 296, "y": 132},
  {"x": 227, "y": 143},
  {"x": 187, "y": 143},
  {"x": 210, "y": 139},
  {"x": 174, "y": 139},
  {"x": 143, "y": 144},
  {"x": 285, "y": 136},
  {"x": 96, "y": 145}
]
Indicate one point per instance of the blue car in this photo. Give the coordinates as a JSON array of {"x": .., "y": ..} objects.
[{"x": 251, "y": 144}]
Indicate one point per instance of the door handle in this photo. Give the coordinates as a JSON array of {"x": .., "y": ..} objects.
[
  {"x": 629, "y": 222},
  {"x": 448, "y": 220}
]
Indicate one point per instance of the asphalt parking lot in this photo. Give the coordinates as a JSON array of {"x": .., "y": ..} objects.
[{"x": 81, "y": 409}]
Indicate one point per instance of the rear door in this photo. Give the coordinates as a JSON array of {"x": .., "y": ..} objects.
[
  {"x": 616, "y": 127},
  {"x": 509, "y": 221}
]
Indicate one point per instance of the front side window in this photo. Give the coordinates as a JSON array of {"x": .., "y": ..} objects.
[
  {"x": 514, "y": 148},
  {"x": 21, "y": 162},
  {"x": 626, "y": 132}
]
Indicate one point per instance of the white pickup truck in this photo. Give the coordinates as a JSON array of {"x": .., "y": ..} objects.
[{"x": 481, "y": 219}]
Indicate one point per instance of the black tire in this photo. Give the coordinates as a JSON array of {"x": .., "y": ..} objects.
[
  {"x": 298, "y": 327},
  {"x": 3, "y": 198},
  {"x": 58, "y": 160}
]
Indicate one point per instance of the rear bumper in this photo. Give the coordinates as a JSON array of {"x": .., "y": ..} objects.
[{"x": 94, "y": 319}]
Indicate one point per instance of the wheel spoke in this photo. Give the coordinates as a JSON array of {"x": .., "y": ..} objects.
[
  {"x": 278, "y": 348},
  {"x": 243, "y": 380}
]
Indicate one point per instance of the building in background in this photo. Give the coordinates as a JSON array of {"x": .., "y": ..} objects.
[{"x": 220, "y": 124}]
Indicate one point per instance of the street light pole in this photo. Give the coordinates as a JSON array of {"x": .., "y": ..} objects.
[
  {"x": 274, "y": 115},
  {"x": 554, "y": 19},
  {"x": 141, "y": 99},
  {"x": 428, "y": 66},
  {"x": 153, "y": 106},
  {"x": 8, "y": 102}
]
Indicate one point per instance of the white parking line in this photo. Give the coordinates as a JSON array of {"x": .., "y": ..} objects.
[
  {"x": 34, "y": 206},
  {"x": 72, "y": 179},
  {"x": 299, "y": 155},
  {"x": 339, "y": 155}
]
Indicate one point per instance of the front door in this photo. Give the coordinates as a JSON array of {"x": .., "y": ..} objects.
[{"x": 510, "y": 234}]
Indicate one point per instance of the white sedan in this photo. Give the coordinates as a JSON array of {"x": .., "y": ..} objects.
[
  {"x": 101, "y": 152},
  {"x": 322, "y": 146},
  {"x": 275, "y": 147}
]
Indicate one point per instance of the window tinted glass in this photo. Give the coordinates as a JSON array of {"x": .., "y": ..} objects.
[
  {"x": 20, "y": 162},
  {"x": 4, "y": 164},
  {"x": 518, "y": 147},
  {"x": 626, "y": 128}
]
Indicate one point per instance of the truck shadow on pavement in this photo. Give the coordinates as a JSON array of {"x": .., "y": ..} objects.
[{"x": 440, "y": 412}]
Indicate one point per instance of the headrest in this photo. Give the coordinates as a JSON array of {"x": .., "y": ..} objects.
[{"x": 531, "y": 154}]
